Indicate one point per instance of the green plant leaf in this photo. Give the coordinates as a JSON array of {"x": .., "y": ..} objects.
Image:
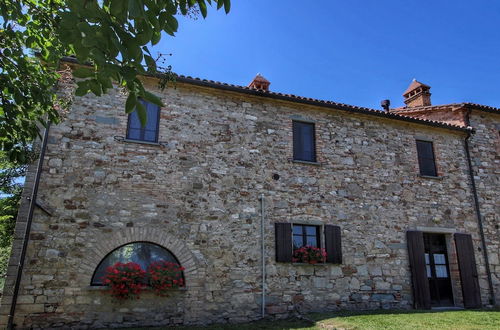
[
  {"x": 152, "y": 98},
  {"x": 136, "y": 8},
  {"x": 95, "y": 87},
  {"x": 83, "y": 88},
  {"x": 131, "y": 102},
  {"x": 141, "y": 113},
  {"x": 150, "y": 62},
  {"x": 83, "y": 72},
  {"x": 156, "y": 38},
  {"x": 227, "y": 6},
  {"x": 203, "y": 8}
]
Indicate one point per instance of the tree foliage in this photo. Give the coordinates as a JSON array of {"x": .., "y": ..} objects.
[
  {"x": 11, "y": 175},
  {"x": 112, "y": 36}
]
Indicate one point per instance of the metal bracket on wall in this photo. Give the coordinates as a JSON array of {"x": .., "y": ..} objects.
[{"x": 45, "y": 207}]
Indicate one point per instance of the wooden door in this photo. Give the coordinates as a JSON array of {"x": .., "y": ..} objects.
[{"x": 438, "y": 270}]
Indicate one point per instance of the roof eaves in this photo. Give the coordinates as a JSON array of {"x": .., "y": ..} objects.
[
  {"x": 301, "y": 99},
  {"x": 316, "y": 102}
]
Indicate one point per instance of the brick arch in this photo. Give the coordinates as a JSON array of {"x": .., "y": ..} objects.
[{"x": 104, "y": 243}]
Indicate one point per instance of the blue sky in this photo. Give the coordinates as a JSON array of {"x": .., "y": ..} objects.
[{"x": 357, "y": 52}]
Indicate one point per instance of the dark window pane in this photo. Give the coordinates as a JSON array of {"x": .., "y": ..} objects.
[
  {"x": 150, "y": 131},
  {"x": 297, "y": 230},
  {"x": 426, "y": 160},
  {"x": 439, "y": 259},
  {"x": 297, "y": 242},
  {"x": 141, "y": 253},
  {"x": 304, "y": 144},
  {"x": 312, "y": 241},
  {"x": 134, "y": 134},
  {"x": 311, "y": 230},
  {"x": 441, "y": 271}
]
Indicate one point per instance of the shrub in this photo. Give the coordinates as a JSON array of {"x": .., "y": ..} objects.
[
  {"x": 165, "y": 276},
  {"x": 309, "y": 254},
  {"x": 126, "y": 280}
]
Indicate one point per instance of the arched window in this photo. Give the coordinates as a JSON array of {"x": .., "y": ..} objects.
[{"x": 142, "y": 253}]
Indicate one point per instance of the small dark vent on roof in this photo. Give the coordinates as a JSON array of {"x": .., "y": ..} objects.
[{"x": 385, "y": 104}]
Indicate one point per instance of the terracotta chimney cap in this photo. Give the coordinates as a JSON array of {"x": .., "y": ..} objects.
[
  {"x": 259, "y": 82},
  {"x": 414, "y": 85},
  {"x": 417, "y": 94}
]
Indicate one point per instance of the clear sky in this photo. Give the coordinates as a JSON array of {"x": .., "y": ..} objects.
[{"x": 357, "y": 52}]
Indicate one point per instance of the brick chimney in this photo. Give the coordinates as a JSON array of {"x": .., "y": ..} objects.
[
  {"x": 417, "y": 95},
  {"x": 259, "y": 82}
]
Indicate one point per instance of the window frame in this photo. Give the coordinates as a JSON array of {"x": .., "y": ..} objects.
[
  {"x": 421, "y": 159},
  {"x": 93, "y": 284},
  {"x": 143, "y": 129},
  {"x": 295, "y": 151},
  {"x": 304, "y": 234}
]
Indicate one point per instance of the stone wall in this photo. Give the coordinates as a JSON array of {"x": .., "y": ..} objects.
[
  {"x": 197, "y": 194},
  {"x": 485, "y": 154}
]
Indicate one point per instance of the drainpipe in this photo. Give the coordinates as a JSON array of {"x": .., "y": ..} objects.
[
  {"x": 479, "y": 219},
  {"x": 32, "y": 200},
  {"x": 263, "y": 255}
]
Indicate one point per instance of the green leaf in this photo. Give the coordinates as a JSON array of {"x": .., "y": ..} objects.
[
  {"x": 141, "y": 113},
  {"x": 173, "y": 23},
  {"x": 95, "y": 87},
  {"x": 83, "y": 72},
  {"x": 136, "y": 8},
  {"x": 227, "y": 6},
  {"x": 83, "y": 88},
  {"x": 203, "y": 8},
  {"x": 152, "y": 98},
  {"x": 150, "y": 62},
  {"x": 220, "y": 3},
  {"x": 130, "y": 103},
  {"x": 156, "y": 38},
  {"x": 117, "y": 7}
]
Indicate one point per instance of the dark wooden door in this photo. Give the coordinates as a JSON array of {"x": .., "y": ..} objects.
[
  {"x": 468, "y": 271},
  {"x": 438, "y": 270}
]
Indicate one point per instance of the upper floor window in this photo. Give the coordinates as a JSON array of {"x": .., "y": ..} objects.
[
  {"x": 304, "y": 141},
  {"x": 148, "y": 133},
  {"x": 426, "y": 161}
]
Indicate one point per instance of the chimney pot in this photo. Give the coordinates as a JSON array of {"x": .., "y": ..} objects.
[
  {"x": 417, "y": 95},
  {"x": 259, "y": 82}
]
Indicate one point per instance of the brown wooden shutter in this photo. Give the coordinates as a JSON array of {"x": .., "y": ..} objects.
[
  {"x": 283, "y": 238},
  {"x": 468, "y": 271},
  {"x": 416, "y": 255},
  {"x": 333, "y": 245}
]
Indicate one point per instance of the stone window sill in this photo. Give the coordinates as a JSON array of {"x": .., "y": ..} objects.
[
  {"x": 430, "y": 177},
  {"x": 305, "y": 162},
  {"x": 142, "y": 142},
  {"x": 122, "y": 139},
  {"x": 105, "y": 287},
  {"x": 308, "y": 264}
]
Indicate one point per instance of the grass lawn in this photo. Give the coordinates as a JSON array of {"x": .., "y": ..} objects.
[{"x": 470, "y": 319}]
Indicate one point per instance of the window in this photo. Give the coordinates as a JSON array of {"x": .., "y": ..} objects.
[
  {"x": 304, "y": 141},
  {"x": 148, "y": 133},
  {"x": 305, "y": 236},
  {"x": 142, "y": 253},
  {"x": 426, "y": 160},
  {"x": 289, "y": 237}
]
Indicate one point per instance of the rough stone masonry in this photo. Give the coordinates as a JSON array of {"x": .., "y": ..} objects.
[{"x": 196, "y": 193}]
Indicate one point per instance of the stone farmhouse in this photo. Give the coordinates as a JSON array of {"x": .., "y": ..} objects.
[{"x": 229, "y": 181}]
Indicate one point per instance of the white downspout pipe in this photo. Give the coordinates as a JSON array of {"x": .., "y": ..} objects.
[{"x": 263, "y": 254}]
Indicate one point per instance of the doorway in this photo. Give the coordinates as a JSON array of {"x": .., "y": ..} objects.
[{"x": 438, "y": 270}]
